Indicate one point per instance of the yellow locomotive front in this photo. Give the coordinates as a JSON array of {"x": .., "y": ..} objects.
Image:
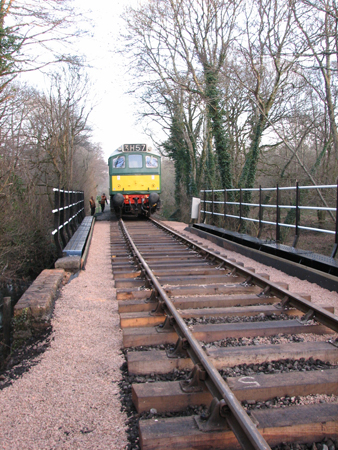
[{"x": 135, "y": 180}]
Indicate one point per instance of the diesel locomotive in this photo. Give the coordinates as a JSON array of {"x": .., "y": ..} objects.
[{"x": 134, "y": 180}]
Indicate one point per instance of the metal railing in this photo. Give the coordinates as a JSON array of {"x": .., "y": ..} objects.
[
  {"x": 244, "y": 211},
  {"x": 68, "y": 214}
]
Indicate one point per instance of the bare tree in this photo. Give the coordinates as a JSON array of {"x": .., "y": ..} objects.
[
  {"x": 239, "y": 86},
  {"x": 182, "y": 46},
  {"x": 318, "y": 22},
  {"x": 60, "y": 123},
  {"x": 33, "y": 34},
  {"x": 268, "y": 53}
]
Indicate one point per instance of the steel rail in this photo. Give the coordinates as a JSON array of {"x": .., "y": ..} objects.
[
  {"x": 287, "y": 298},
  {"x": 242, "y": 424}
]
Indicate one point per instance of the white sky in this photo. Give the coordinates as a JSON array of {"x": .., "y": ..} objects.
[{"x": 112, "y": 119}]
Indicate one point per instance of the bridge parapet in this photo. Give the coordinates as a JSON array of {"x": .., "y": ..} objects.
[{"x": 33, "y": 311}]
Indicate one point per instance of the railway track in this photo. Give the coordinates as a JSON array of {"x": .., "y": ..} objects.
[{"x": 188, "y": 310}]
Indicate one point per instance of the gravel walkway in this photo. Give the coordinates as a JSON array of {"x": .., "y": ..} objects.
[{"x": 70, "y": 399}]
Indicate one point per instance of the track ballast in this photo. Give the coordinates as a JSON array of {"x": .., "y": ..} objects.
[{"x": 232, "y": 343}]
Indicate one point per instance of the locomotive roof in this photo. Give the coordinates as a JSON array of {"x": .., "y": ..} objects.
[{"x": 148, "y": 150}]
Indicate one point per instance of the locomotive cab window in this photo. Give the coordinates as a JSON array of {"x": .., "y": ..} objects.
[
  {"x": 151, "y": 162},
  {"x": 135, "y": 161},
  {"x": 119, "y": 162}
]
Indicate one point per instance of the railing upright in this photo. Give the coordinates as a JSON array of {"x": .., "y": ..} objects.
[
  {"x": 240, "y": 208},
  {"x": 57, "y": 221},
  {"x": 335, "y": 247},
  {"x": 297, "y": 217},
  {"x": 205, "y": 206},
  {"x": 260, "y": 213},
  {"x": 72, "y": 212},
  {"x": 62, "y": 217},
  {"x": 277, "y": 216},
  {"x": 67, "y": 215},
  {"x": 81, "y": 206},
  {"x": 225, "y": 206},
  {"x": 213, "y": 207},
  {"x": 77, "y": 218},
  {"x": 77, "y": 203}
]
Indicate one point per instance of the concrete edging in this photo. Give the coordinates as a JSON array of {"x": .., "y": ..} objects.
[{"x": 34, "y": 310}]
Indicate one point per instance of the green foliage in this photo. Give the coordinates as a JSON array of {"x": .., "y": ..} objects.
[
  {"x": 248, "y": 175},
  {"x": 22, "y": 328},
  {"x": 176, "y": 149},
  {"x": 21, "y": 321},
  {"x": 211, "y": 173},
  {"x": 215, "y": 115},
  {"x": 10, "y": 44}
]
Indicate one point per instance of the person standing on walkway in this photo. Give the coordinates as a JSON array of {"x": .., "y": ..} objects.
[
  {"x": 92, "y": 205},
  {"x": 103, "y": 201}
]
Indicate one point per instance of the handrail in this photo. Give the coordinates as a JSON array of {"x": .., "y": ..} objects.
[
  {"x": 68, "y": 214},
  {"x": 209, "y": 206}
]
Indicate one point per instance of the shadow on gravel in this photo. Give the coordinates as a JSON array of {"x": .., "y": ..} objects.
[
  {"x": 107, "y": 215},
  {"x": 22, "y": 359}
]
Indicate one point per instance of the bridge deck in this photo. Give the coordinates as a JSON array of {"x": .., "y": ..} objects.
[{"x": 71, "y": 397}]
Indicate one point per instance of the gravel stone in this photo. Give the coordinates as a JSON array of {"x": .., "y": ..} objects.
[{"x": 69, "y": 397}]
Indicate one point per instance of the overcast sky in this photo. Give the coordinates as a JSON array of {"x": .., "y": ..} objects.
[{"x": 112, "y": 120}]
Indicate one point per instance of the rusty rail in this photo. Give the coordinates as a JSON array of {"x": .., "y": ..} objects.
[
  {"x": 229, "y": 407},
  {"x": 287, "y": 299}
]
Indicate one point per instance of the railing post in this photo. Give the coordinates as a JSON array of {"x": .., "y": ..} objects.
[
  {"x": 62, "y": 217},
  {"x": 212, "y": 207},
  {"x": 225, "y": 206},
  {"x": 335, "y": 247},
  {"x": 297, "y": 216},
  {"x": 260, "y": 213},
  {"x": 71, "y": 211},
  {"x": 57, "y": 221},
  {"x": 77, "y": 209},
  {"x": 67, "y": 215},
  {"x": 205, "y": 205},
  {"x": 277, "y": 216},
  {"x": 82, "y": 206},
  {"x": 77, "y": 221},
  {"x": 240, "y": 208}
]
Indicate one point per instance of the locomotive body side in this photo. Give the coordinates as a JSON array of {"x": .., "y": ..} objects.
[{"x": 135, "y": 180}]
